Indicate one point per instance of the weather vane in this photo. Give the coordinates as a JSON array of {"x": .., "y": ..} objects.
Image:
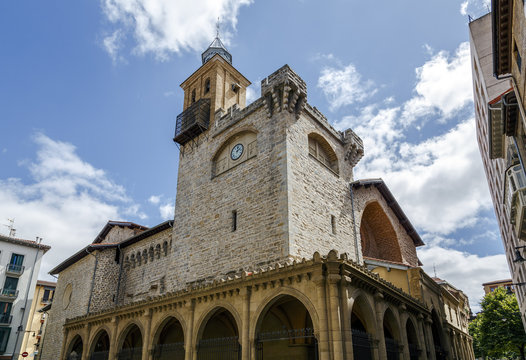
[{"x": 217, "y": 27}]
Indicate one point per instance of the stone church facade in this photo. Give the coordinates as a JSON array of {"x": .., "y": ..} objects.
[{"x": 275, "y": 251}]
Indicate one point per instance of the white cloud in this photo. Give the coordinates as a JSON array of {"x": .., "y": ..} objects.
[
  {"x": 344, "y": 86},
  {"x": 66, "y": 202},
  {"x": 165, "y": 26},
  {"x": 476, "y": 6},
  {"x": 112, "y": 44},
  {"x": 464, "y": 7},
  {"x": 463, "y": 270},
  {"x": 443, "y": 86},
  {"x": 253, "y": 92},
  {"x": 154, "y": 199},
  {"x": 167, "y": 211}
]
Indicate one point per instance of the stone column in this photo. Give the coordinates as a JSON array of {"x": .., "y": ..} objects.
[
  {"x": 403, "y": 332},
  {"x": 423, "y": 346},
  {"x": 334, "y": 308},
  {"x": 86, "y": 346},
  {"x": 113, "y": 338},
  {"x": 245, "y": 325},
  {"x": 429, "y": 336},
  {"x": 345, "y": 289},
  {"x": 323, "y": 341},
  {"x": 64, "y": 343},
  {"x": 146, "y": 343},
  {"x": 189, "y": 346},
  {"x": 378, "y": 299}
]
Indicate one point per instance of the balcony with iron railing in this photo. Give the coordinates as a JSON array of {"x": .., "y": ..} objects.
[
  {"x": 8, "y": 294},
  {"x": 14, "y": 269},
  {"x": 5, "y": 319},
  {"x": 192, "y": 122}
]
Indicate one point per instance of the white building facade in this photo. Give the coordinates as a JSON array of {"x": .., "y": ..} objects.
[{"x": 19, "y": 266}]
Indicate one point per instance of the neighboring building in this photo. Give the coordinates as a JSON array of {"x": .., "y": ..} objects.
[
  {"x": 275, "y": 252},
  {"x": 19, "y": 267},
  {"x": 37, "y": 320},
  {"x": 497, "y": 48},
  {"x": 492, "y": 285}
]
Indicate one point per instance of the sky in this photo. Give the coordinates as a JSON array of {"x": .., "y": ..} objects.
[{"x": 89, "y": 94}]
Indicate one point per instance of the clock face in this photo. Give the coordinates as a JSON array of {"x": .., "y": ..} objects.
[{"x": 236, "y": 152}]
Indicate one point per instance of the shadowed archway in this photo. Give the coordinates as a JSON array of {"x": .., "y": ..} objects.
[
  {"x": 131, "y": 348},
  {"x": 220, "y": 337},
  {"x": 75, "y": 349},
  {"x": 169, "y": 343},
  {"x": 101, "y": 346}
]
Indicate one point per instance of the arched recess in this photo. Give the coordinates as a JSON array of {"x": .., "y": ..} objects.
[
  {"x": 322, "y": 151},
  {"x": 436, "y": 328},
  {"x": 169, "y": 340},
  {"x": 75, "y": 349},
  {"x": 219, "y": 337},
  {"x": 237, "y": 149},
  {"x": 131, "y": 344},
  {"x": 285, "y": 330},
  {"x": 378, "y": 236},
  {"x": 362, "y": 328},
  {"x": 100, "y": 348},
  {"x": 412, "y": 340},
  {"x": 391, "y": 335}
]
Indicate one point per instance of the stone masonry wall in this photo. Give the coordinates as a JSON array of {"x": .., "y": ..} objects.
[
  {"x": 149, "y": 276},
  {"x": 106, "y": 281},
  {"x": 78, "y": 276},
  {"x": 316, "y": 192}
]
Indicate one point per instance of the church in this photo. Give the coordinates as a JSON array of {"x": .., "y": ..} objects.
[{"x": 275, "y": 250}]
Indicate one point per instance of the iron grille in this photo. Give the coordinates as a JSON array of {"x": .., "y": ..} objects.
[
  {"x": 100, "y": 355},
  {"x": 130, "y": 354},
  {"x": 361, "y": 345},
  {"x": 193, "y": 121},
  {"x": 227, "y": 348},
  {"x": 307, "y": 334},
  {"x": 173, "y": 351},
  {"x": 6, "y": 319},
  {"x": 392, "y": 349}
]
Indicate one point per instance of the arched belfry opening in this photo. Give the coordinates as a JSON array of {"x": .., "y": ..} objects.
[
  {"x": 75, "y": 349},
  {"x": 101, "y": 346},
  {"x": 169, "y": 341},
  {"x": 219, "y": 338},
  {"x": 285, "y": 331},
  {"x": 131, "y": 348},
  {"x": 378, "y": 236},
  {"x": 412, "y": 340},
  {"x": 362, "y": 323},
  {"x": 391, "y": 336}
]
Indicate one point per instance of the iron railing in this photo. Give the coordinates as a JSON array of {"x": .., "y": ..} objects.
[
  {"x": 130, "y": 354},
  {"x": 15, "y": 269},
  {"x": 9, "y": 293},
  {"x": 392, "y": 349},
  {"x": 173, "y": 351},
  {"x": 100, "y": 355},
  {"x": 361, "y": 345},
  {"x": 6, "y": 318},
  {"x": 295, "y": 337},
  {"x": 193, "y": 121},
  {"x": 227, "y": 348}
]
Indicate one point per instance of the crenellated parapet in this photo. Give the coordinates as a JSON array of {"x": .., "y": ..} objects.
[
  {"x": 353, "y": 147},
  {"x": 284, "y": 90}
]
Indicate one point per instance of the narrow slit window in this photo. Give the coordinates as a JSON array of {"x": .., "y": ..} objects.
[
  {"x": 333, "y": 224},
  {"x": 234, "y": 220}
]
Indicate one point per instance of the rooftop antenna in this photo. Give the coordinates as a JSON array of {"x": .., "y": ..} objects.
[{"x": 11, "y": 226}]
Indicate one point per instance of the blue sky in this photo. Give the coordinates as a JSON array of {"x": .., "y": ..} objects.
[{"x": 89, "y": 93}]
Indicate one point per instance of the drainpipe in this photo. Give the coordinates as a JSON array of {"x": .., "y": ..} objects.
[
  {"x": 92, "y": 278},
  {"x": 356, "y": 252},
  {"x": 21, "y": 326}
]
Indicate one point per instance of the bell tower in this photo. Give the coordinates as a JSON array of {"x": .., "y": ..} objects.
[{"x": 216, "y": 85}]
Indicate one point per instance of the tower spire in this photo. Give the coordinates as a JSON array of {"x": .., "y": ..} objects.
[{"x": 216, "y": 47}]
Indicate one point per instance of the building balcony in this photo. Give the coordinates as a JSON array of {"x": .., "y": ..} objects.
[
  {"x": 192, "y": 122},
  {"x": 5, "y": 319},
  {"x": 14, "y": 270},
  {"x": 515, "y": 199},
  {"x": 8, "y": 294}
]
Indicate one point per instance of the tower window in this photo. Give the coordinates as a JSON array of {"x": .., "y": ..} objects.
[
  {"x": 193, "y": 96},
  {"x": 234, "y": 220},
  {"x": 333, "y": 224},
  {"x": 320, "y": 149},
  {"x": 207, "y": 86}
]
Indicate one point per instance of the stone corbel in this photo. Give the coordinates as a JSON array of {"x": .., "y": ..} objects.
[{"x": 353, "y": 147}]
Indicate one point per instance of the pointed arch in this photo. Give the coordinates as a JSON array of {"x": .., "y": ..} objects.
[
  {"x": 237, "y": 149},
  {"x": 75, "y": 348},
  {"x": 378, "y": 237}
]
